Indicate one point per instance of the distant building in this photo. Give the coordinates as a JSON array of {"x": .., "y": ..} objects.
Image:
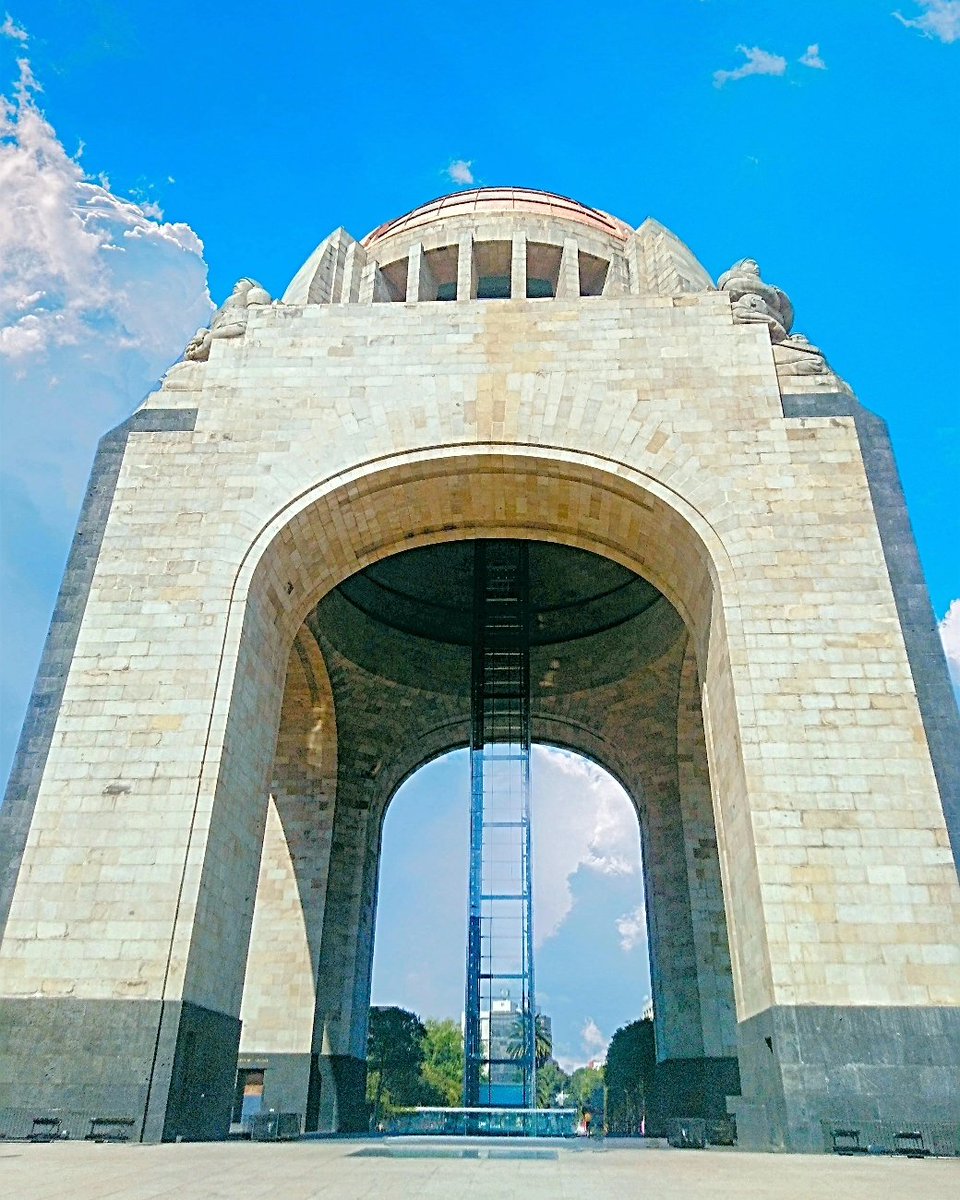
[{"x": 502, "y": 1084}]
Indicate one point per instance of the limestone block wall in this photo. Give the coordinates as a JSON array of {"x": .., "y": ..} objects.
[
  {"x": 649, "y": 428},
  {"x": 388, "y": 731},
  {"x": 279, "y": 993},
  {"x": 640, "y": 727},
  {"x": 708, "y": 922},
  {"x": 692, "y": 400}
]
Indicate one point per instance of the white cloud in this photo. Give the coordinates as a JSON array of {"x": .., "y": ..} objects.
[
  {"x": 583, "y": 820},
  {"x": 939, "y": 19},
  {"x": 459, "y": 171},
  {"x": 11, "y": 29},
  {"x": 811, "y": 58},
  {"x": 632, "y": 927},
  {"x": 82, "y": 269},
  {"x": 97, "y": 298},
  {"x": 594, "y": 1042},
  {"x": 96, "y": 266},
  {"x": 759, "y": 62},
  {"x": 950, "y": 636}
]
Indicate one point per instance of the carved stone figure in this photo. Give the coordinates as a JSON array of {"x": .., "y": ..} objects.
[
  {"x": 229, "y": 321},
  {"x": 198, "y": 348},
  {"x": 755, "y": 301},
  {"x": 752, "y": 309},
  {"x": 795, "y": 355}
]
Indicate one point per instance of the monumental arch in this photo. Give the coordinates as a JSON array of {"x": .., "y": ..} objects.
[{"x": 257, "y": 641}]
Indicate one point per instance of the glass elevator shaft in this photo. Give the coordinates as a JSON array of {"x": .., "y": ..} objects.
[{"x": 500, "y": 1026}]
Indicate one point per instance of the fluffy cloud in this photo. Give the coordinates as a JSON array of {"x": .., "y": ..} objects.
[
  {"x": 11, "y": 29},
  {"x": 588, "y": 824},
  {"x": 97, "y": 298},
  {"x": 80, "y": 264},
  {"x": 594, "y": 1041},
  {"x": 950, "y": 636},
  {"x": 938, "y": 19},
  {"x": 811, "y": 58},
  {"x": 632, "y": 927},
  {"x": 759, "y": 62},
  {"x": 459, "y": 172}
]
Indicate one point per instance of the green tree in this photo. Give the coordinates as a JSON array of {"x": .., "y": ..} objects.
[
  {"x": 442, "y": 1070},
  {"x": 631, "y": 1062},
  {"x": 543, "y": 1043},
  {"x": 395, "y": 1054},
  {"x": 585, "y": 1084},
  {"x": 552, "y": 1079}
]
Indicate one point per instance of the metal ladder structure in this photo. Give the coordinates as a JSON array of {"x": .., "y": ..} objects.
[{"x": 500, "y": 1025}]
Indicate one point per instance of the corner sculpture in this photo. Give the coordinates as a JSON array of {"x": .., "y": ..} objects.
[
  {"x": 230, "y": 319},
  {"x": 757, "y": 302}
]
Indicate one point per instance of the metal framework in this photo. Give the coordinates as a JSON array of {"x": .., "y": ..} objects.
[{"x": 500, "y": 1033}]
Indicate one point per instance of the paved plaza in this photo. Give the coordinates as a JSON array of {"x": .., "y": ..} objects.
[{"x": 398, "y": 1169}]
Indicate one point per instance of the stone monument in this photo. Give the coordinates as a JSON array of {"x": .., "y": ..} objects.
[{"x": 260, "y": 635}]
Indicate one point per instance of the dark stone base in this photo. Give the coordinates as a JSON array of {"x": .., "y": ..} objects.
[
  {"x": 168, "y": 1066},
  {"x": 343, "y": 1094},
  {"x": 804, "y": 1065},
  {"x": 286, "y": 1082},
  {"x": 691, "y": 1087},
  {"x": 200, "y": 1096}
]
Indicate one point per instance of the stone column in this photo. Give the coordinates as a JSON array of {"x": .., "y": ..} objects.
[
  {"x": 421, "y": 284},
  {"x": 279, "y": 995},
  {"x": 714, "y": 973},
  {"x": 518, "y": 267},
  {"x": 374, "y": 288},
  {"x": 466, "y": 269},
  {"x": 647, "y": 727},
  {"x": 342, "y": 1062},
  {"x": 353, "y": 265},
  {"x": 123, "y": 951},
  {"x": 568, "y": 284}
]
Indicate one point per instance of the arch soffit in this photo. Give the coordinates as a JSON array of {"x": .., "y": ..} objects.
[
  {"x": 418, "y": 498},
  {"x": 549, "y": 729},
  {"x": 579, "y": 741},
  {"x": 350, "y": 520}
]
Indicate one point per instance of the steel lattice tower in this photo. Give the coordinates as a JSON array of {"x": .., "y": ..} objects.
[{"x": 500, "y": 980}]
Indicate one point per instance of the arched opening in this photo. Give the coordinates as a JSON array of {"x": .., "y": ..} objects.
[
  {"x": 387, "y": 653},
  {"x": 592, "y": 963}
]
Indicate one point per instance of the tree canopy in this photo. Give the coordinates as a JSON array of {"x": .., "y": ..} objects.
[
  {"x": 395, "y": 1054},
  {"x": 631, "y": 1062},
  {"x": 442, "y": 1070},
  {"x": 411, "y": 1063},
  {"x": 586, "y": 1083},
  {"x": 543, "y": 1042},
  {"x": 551, "y": 1081}
]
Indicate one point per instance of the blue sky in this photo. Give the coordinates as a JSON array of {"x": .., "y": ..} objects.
[
  {"x": 592, "y": 969},
  {"x": 152, "y": 155}
]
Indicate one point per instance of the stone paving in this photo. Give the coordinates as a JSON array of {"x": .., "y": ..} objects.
[{"x": 397, "y": 1169}]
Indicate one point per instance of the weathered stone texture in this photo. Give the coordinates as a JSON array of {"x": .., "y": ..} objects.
[{"x": 643, "y": 424}]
